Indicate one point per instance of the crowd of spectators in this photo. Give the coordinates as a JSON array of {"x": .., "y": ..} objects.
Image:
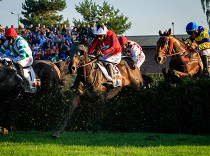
[{"x": 53, "y": 43}]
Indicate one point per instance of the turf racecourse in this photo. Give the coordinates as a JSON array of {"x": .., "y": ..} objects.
[{"x": 103, "y": 143}]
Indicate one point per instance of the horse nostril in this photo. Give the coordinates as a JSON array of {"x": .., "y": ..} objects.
[
  {"x": 73, "y": 68},
  {"x": 158, "y": 59}
]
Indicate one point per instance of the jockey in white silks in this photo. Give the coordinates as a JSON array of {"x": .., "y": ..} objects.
[
  {"x": 133, "y": 50},
  {"x": 22, "y": 54}
]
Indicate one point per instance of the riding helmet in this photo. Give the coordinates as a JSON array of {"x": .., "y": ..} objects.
[
  {"x": 192, "y": 26},
  {"x": 123, "y": 40}
]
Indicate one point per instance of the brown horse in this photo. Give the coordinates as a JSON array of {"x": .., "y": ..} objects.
[
  {"x": 185, "y": 62},
  {"x": 90, "y": 81}
]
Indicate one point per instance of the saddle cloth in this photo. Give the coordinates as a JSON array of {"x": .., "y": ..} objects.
[{"x": 117, "y": 77}]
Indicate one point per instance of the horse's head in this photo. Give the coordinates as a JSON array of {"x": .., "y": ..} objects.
[
  {"x": 164, "y": 46},
  {"x": 77, "y": 56},
  {"x": 9, "y": 82}
]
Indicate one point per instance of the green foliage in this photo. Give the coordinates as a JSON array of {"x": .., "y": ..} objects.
[
  {"x": 43, "y": 12},
  {"x": 102, "y": 14},
  {"x": 180, "y": 108},
  {"x": 206, "y": 9}
]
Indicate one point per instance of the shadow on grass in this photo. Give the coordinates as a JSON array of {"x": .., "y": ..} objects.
[{"x": 107, "y": 139}]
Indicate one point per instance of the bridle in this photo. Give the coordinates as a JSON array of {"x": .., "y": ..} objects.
[{"x": 170, "y": 48}]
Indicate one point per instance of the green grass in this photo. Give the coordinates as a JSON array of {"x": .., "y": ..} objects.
[{"x": 103, "y": 143}]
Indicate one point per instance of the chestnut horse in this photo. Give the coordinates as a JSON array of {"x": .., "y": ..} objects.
[
  {"x": 90, "y": 81},
  {"x": 185, "y": 62}
]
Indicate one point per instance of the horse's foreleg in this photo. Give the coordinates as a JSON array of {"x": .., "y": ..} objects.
[
  {"x": 189, "y": 73},
  {"x": 75, "y": 99},
  {"x": 97, "y": 118},
  {"x": 112, "y": 93}
]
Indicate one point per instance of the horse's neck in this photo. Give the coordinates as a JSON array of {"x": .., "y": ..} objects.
[
  {"x": 178, "y": 46},
  {"x": 87, "y": 71}
]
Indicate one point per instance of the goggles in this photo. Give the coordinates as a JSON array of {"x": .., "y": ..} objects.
[
  {"x": 190, "y": 32},
  {"x": 99, "y": 36},
  {"x": 9, "y": 37}
]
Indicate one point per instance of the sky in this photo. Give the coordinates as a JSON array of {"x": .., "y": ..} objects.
[{"x": 147, "y": 16}]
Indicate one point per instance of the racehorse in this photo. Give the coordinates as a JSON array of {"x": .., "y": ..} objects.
[
  {"x": 63, "y": 67},
  {"x": 90, "y": 82},
  {"x": 185, "y": 61},
  {"x": 10, "y": 82}
]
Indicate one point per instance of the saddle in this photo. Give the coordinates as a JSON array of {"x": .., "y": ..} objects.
[
  {"x": 129, "y": 61},
  {"x": 115, "y": 77}
]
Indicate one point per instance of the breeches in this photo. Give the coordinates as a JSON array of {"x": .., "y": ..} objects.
[
  {"x": 139, "y": 60},
  {"x": 25, "y": 62},
  {"x": 205, "y": 52},
  {"x": 111, "y": 59}
]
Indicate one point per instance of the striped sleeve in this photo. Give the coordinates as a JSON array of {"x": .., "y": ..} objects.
[
  {"x": 21, "y": 46},
  {"x": 4, "y": 48}
]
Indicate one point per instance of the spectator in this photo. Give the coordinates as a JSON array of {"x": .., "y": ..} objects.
[
  {"x": 64, "y": 29},
  {"x": 36, "y": 47},
  {"x": 51, "y": 28},
  {"x": 69, "y": 28},
  {"x": 19, "y": 29},
  {"x": 43, "y": 29},
  {"x": 38, "y": 27},
  {"x": 37, "y": 55},
  {"x": 51, "y": 36},
  {"x": 46, "y": 44},
  {"x": 64, "y": 49},
  {"x": 57, "y": 27},
  {"x": 67, "y": 43},
  {"x": 1, "y": 31},
  {"x": 55, "y": 57},
  {"x": 42, "y": 40}
]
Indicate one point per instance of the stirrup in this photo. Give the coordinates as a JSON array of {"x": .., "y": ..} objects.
[{"x": 109, "y": 84}]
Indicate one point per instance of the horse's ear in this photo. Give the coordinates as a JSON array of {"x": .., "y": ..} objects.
[
  {"x": 169, "y": 31},
  {"x": 160, "y": 33}
]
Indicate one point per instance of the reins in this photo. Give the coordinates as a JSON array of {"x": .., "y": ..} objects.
[
  {"x": 83, "y": 65},
  {"x": 170, "y": 49}
]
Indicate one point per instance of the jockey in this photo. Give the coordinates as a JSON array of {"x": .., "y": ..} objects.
[
  {"x": 132, "y": 50},
  {"x": 22, "y": 54},
  {"x": 202, "y": 37},
  {"x": 107, "y": 42}
]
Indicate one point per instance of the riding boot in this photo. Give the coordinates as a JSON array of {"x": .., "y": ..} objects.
[
  {"x": 205, "y": 65},
  {"x": 111, "y": 74},
  {"x": 25, "y": 84}
]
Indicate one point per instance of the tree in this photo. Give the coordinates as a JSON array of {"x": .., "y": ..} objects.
[
  {"x": 206, "y": 9},
  {"x": 43, "y": 12},
  {"x": 102, "y": 14}
]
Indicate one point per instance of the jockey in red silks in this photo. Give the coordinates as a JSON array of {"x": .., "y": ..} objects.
[
  {"x": 108, "y": 43},
  {"x": 132, "y": 50}
]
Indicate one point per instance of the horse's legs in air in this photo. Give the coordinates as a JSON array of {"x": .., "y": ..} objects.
[
  {"x": 112, "y": 93},
  {"x": 75, "y": 99}
]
